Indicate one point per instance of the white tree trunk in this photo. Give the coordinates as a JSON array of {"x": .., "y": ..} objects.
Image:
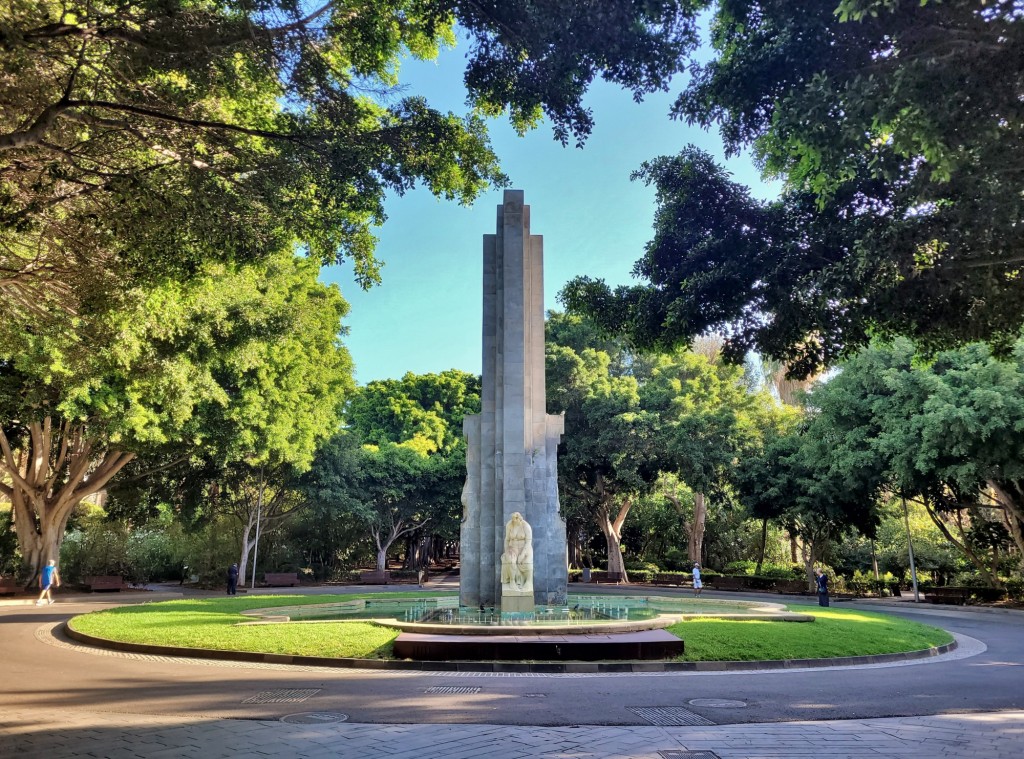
[
  {"x": 612, "y": 531},
  {"x": 696, "y": 532}
]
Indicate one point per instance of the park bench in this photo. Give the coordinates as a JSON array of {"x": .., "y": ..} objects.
[
  {"x": 601, "y": 576},
  {"x": 373, "y": 577},
  {"x": 105, "y": 582},
  {"x": 951, "y": 594},
  {"x": 8, "y": 586},
  {"x": 281, "y": 579}
]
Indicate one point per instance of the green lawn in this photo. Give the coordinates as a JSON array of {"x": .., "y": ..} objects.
[
  {"x": 211, "y": 623},
  {"x": 834, "y": 632}
]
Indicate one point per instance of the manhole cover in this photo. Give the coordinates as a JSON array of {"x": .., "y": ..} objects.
[
  {"x": 672, "y": 754},
  {"x": 314, "y": 718},
  {"x": 282, "y": 696},
  {"x": 717, "y": 703},
  {"x": 669, "y": 716}
]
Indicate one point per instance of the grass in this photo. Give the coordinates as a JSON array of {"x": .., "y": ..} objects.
[
  {"x": 834, "y": 632},
  {"x": 211, "y": 623}
]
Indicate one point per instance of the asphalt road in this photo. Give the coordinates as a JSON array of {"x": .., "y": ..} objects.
[{"x": 41, "y": 672}]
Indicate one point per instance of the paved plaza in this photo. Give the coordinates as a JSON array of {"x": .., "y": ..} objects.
[{"x": 120, "y": 736}]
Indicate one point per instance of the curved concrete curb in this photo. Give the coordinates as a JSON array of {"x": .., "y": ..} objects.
[{"x": 472, "y": 666}]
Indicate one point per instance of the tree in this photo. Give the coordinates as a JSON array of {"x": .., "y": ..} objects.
[
  {"x": 242, "y": 365},
  {"x": 708, "y": 420},
  {"x": 605, "y": 459},
  {"x": 391, "y": 489},
  {"x": 138, "y": 139},
  {"x": 895, "y": 126},
  {"x": 425, "y": 410},
  {"x": 400, "y": 463}
]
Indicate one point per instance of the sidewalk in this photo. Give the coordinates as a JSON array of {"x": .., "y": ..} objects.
[{"x": 998, "y": 735}]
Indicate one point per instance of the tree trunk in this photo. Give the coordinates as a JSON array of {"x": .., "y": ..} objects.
[
  {"x": 248, "y": 541},
  {"x": 52, "y": 472},
  {"x": 807, "y": 555},
  {"x": 1013, "y": 513},
  {"x": 612, "y": 531},
  {"x": 700, "y": 514},
  {"x": 764, "y": 545}
]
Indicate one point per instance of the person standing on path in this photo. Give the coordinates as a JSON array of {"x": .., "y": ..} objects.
[
  {"x": 822, "y": 582},
  {"x": 48, "y": 578},
  {"x": 233, "y": 580},
  {"x": 697, "y": 584}
]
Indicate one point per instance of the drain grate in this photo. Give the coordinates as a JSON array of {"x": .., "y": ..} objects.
[
  {"x": 669, "y": 716},
  {"x": 673, "y": 754},
  {"x": 314, "y": 718},
  {"x": 452, "y": 689},
  {"x": 282, "y": 696},
  {"x": 535, "y": 695}
]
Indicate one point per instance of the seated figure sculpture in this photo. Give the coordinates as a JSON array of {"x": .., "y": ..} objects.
[{"x": 517, "y": 560}]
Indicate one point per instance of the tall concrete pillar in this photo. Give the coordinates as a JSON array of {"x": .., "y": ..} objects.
[{"x": 512, "y": 444}]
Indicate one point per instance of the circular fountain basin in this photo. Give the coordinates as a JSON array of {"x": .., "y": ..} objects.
[{"x": 581, "y": 615}]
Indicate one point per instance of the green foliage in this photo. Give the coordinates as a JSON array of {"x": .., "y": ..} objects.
[
  {"x": 424, "y": 411},
  {"x": 140, "y": 555},
  {"x": 778, "y": 571},
  {"x": 895, "y": 135},
  {"x": 141, "y": 139},
  {"x": 10, "y": 559}
]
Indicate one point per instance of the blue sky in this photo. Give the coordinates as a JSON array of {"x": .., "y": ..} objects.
[{"x": 426, "y": 315}]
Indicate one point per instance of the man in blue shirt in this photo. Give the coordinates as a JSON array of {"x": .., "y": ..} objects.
[
  {"x": 48, "y": 578},
  {"x": 697, "y": 584}
]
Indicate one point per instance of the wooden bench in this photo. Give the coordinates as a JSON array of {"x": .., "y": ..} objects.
[
  {"x": 373, "y": 577},
  {"x": 949, "y": 595},
  {"x": 281, "y": 579},
  {"x": 105, "y": 582},
  {"x": 9, "y": 586}
]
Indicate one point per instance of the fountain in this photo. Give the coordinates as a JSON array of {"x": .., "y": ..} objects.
[{"x": 513, "y": 601}]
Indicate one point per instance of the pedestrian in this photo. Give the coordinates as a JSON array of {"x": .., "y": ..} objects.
[
  {"x": 697, "y": 584},
  {"x": 822, "y": 582},
  {"x": 48, "y": 578},
  {"x": 233, "y": 580}
]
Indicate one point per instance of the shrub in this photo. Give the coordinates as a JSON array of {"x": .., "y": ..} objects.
[
  {"x": 1015, "y": 590},
  {"x": 740, "y": 568},
  {"x": 675, "y": 559}
]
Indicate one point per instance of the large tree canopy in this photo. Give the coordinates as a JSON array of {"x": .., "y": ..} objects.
[
  {"x": 141, "y": 137},
  {"x": 243, "y": 364},
  {"x": 897, "y": 129}
]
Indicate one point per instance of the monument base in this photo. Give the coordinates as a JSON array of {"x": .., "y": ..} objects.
[{"x": 518, "y": 603}]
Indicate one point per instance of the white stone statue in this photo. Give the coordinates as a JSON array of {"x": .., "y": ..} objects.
[{"x": 517, "y": 560}]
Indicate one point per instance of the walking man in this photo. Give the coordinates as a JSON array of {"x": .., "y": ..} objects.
[
  {"x": 697, "y": 584},
  {"x": 233, "y": 580},
  {"x": 48, "y": 578}
]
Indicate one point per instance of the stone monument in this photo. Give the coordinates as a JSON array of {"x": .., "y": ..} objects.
[{"x": 512, "y": 444}]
